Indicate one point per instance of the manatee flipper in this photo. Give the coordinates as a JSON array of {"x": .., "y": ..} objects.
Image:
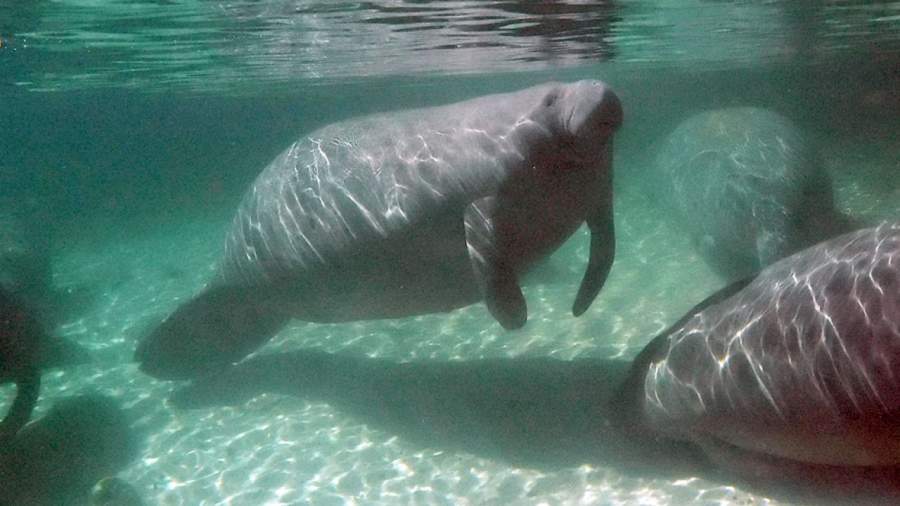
[
  {"x": 503, "y": 295},
  {"x": 28, "y": 387},
  {"x": 500, "y": 282},
  {"x": 603, "y": 251}
]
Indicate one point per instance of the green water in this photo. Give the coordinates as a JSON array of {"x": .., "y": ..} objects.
[{"x": 140, "y": 124}]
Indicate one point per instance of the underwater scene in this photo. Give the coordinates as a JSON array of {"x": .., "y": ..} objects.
[{"x": 621, "y": 252}]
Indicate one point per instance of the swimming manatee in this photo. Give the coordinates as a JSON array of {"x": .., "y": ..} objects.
[
  {"x": 791, "y": 376},
  {"x": 748, "y": 187},
  {"x": 406, "y": 213},
  {"x": 26, "y": 350}
]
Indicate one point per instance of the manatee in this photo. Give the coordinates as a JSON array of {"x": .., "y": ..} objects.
[
  {"x": 793, "y": 375},
  {"x": 20, "y": 336},
  {"x": 406, "y": 213},
  {"x": 25, "y": 350},
  {"x": 25, "y": 267},
  {"x": 748, "y": 187}
]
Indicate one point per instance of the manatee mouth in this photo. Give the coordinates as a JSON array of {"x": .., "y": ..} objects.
[{"x": 595, "y": 112}]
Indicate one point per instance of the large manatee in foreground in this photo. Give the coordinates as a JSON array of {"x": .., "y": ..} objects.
[
  {"x": 406, "y": 213},
  {"x": 794, "y": 375},
  {"x": 748, "y": 187}
]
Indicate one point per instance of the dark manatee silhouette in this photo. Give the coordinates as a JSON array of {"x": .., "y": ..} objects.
[
  {"x": 748, "y": 187},
  {"x": 406, "y": 213},
  {"x": 20, "y": 338},
  {"x": 796, "y": 377},
  {"x": 58, "y": 458},
  {"x": 785, "y": 382},
  {"x": 25, "y": 350},
  {"x": 25, "y": 258}
]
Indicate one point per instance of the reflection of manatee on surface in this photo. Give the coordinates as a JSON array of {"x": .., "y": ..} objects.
[
  {"x": 794, "y": 378},
  {"x": 406, "y": 213},
  {"x": 59, "y": 458},
  {"x": 25, "y": 350},
  {"x": 748, "y": 188}
]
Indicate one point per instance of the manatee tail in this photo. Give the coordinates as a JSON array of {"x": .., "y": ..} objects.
[{"x": 220, "y": 326}]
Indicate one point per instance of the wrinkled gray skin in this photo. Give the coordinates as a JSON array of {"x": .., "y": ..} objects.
[
  {"x": 797, "y": 374},
  {"x": 406, "y": 213},
  {"x": 748, "y": 188}
]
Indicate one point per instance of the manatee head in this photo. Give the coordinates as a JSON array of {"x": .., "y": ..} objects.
[{"x": 585, "y": 112}]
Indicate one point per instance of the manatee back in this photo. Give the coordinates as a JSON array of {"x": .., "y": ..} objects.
[
  {"x": 743, "y": 182},
  {"x": 370, "y": 179},
  {"x": 810, "y": 348}
]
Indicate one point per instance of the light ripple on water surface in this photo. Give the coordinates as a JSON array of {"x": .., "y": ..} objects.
[{"x": 244, "y": 44}]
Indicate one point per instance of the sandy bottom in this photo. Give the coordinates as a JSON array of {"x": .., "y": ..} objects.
[{"x": 285, "y": 450}]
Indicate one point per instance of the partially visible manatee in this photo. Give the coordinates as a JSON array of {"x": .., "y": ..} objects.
[
  {"x": 748, "y": 187},
  {"x": 25, "y": 350},
  {"x": 793, "y": 375},
  {"x": 406, "y": 213},
  {"x": 25, "y": 267}
]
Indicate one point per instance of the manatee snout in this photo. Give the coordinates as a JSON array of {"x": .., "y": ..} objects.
[{"x": 591, "y": 110}]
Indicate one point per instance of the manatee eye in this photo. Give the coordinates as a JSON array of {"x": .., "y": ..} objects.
[{"x": 550, "y": 99}]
